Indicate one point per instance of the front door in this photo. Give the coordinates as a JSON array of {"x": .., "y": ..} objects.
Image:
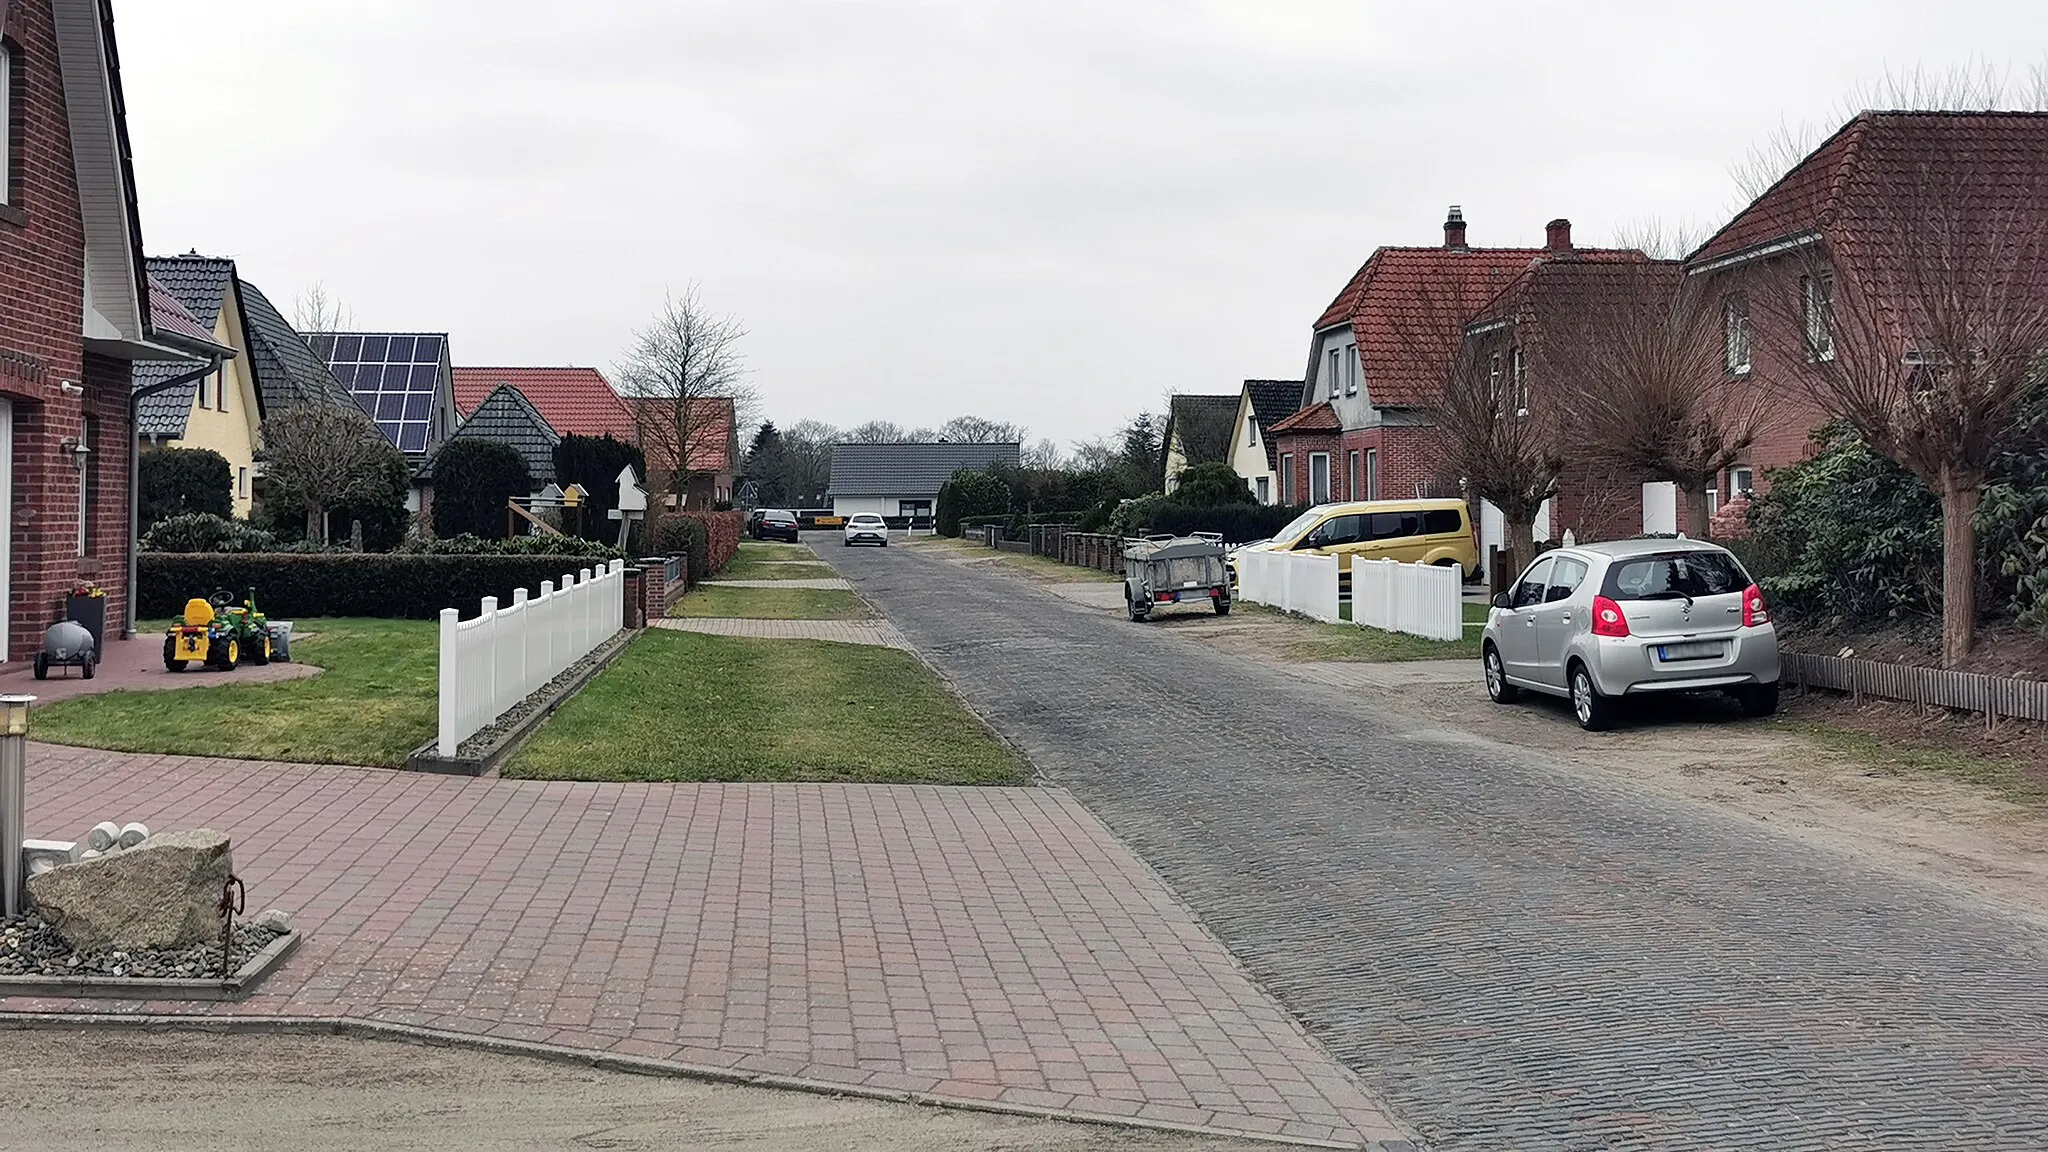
[{"x": 1517, "y": 634}]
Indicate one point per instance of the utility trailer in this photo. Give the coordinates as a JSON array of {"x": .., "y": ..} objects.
[{"x": 1165, "y": 570}]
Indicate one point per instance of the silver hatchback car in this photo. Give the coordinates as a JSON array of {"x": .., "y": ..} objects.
[{"x": 1598, "y": 622}]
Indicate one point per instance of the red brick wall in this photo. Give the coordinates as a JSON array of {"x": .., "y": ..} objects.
[
  {"x": 42, "y": 257},
  {"x": 1302, "y": 444}
]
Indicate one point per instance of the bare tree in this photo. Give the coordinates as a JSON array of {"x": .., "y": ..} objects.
[
  {"x": 1660, "y": 237},
  {"x": 1644, "y": 356},
  {"x": 1490, "y": 434},
  {"x": 979, "y": 430},
  {"x": 807, "y": 451},
  {"x": 329, "y": 455},
  {"x": 316, "y": 311},
  {"x": 687, "y": 384},
  {"x": 1098, "y": 454},
  {"x": 1044, "y": 455},
  {"x": 1923, "y": 322}
]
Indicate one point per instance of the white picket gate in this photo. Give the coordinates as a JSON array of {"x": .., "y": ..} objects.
[
  {"x": 1292, "y": 582},
  {"x": 500, "y": 657},
  {"x": 1419, "y": 599}
]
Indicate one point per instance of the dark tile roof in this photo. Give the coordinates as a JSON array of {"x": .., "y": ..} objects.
[
  {"x": 1997, "y": 160},
  {"x": 508, "y": 417},
  {"x": 287, "y": 372},
  {"x": 1272, "y": 402},
  {"x": 170, "y": 318},
  {"x": 1208, "y": 417},
  {"x": 201, "y": 284},
  {"x": 916, "y": 470},
  {"x": 163, "y": 413}
]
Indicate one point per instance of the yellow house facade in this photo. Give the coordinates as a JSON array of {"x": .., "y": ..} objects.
[{"x": 216, "y": 407}]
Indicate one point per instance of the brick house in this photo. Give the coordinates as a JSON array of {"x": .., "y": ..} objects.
[
  {"x": 75, "y": 313},
  {"x": 1377, "y": 358},
  {"x": 1862, "y": 208},
  {"x": 710, "y": 435}
]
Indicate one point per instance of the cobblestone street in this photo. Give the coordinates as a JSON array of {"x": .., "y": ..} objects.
[{"x": 1511, "y": 952}]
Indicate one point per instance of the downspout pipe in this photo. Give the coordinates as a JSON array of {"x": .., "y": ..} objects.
[{"x": 135, "y": 471}]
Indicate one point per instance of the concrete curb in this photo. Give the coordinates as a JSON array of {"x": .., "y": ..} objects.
[
  {"x": 98, "y": 987},
  {"x": 611, "y": 1062},
  {"x": 426, "y": 759}
]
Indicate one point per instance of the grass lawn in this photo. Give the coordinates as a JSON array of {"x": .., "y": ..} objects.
[
  {"x": 770, "y": 603},
  {"x": 749, "y": 569},
  {"x": 681, "y": 706},
  {"x": 1370, "y": 645},
  {"x": 751, "y": 550},
  {"x": 373, "y": 704},
  {"x": 1041, "y": 566}
]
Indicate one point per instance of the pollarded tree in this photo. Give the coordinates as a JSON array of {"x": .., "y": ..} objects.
[{"x": 328, "y": 456}]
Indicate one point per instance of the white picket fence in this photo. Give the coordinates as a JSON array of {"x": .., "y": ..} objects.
[
  {"x": 500, "y": 657},
  {"x": 1420, "y": 599},
  {"x": 1290, "y": 581}
]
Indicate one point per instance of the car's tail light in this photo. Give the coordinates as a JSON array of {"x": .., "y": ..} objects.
[
  {"x": 1608, "y": 619},
  {"x": 1754, "y": 610}
]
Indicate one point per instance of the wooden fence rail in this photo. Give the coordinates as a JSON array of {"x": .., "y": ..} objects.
[{"x": 1994, "y": 696}]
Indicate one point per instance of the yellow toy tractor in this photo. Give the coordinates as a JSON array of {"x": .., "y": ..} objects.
[{"x": 218, "y": 633}]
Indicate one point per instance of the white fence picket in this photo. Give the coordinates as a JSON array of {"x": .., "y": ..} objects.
[
  {"x": 1419, "y": 599},
  {"x": 1305, "y": 583},
  {"x": 503, "y": 655}
]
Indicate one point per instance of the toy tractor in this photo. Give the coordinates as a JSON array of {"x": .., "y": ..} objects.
[{"x": 219, "y": 634}]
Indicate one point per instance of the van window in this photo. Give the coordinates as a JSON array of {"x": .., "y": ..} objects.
[
  {"x": 1394, "y": 525},
  {"x": 1675, "y": 575},
  {"x": 1442, "y": 521},
  {"x": 1336, "y": 530}
]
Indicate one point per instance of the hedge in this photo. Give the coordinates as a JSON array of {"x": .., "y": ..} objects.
[
  {"x": 675, "y": 534},
  {"x": 722, "y": 536},
  {"x": 1238, "y": 523},
  {"x": 290, "y": 585},
  {"x": 178, "y": 481}
]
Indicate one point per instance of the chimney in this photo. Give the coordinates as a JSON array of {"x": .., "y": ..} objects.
[
  {"x": 1557, "y": 235},
  {"x": 1454, "y": 228}
]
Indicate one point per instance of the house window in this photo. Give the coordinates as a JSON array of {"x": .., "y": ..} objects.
[
  {"x": 1351, "y": 476},
  {"x": 220, "y": 389},
  {"x": 1493, "y": 384},
  {"x": 1251, "y": 433},
  {"x": 1735, "y": 333},
  {"x": 1336, "y": 370},
  {"x": 1518, "y": 371},
  {"x": 1264, "y": 487},
  {"x": 242, "y": 483},
  {"x": 1287, "y": 476},
  {"x": 6, "y": 123},
  {"x": 1351, "y": 371},
  {"x": 84, "y": 482},
  {"x": 1818, "y": 295},
  {"x": 205, "y": 401},
  {"x": 1740, "y": 481},
  {"x": 1319, "y": 477},
  {"x": 1372, "y": 473}
]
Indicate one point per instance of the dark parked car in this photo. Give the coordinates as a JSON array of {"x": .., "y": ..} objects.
[{"x": 776, "y": 524}]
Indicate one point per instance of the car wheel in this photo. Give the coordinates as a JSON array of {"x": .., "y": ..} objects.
[
  {"x": 171, "y": 661},
  {"x": 1594, "y": 711},
  {"x": 1498, "y": 689},
  {"x": 1758, "y": 700},
  {"x": 42, "y": 666},
  {"x": 92, "y": 668}
]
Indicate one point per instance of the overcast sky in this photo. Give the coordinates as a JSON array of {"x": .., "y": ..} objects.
[{"x": 1049, "y": 213}]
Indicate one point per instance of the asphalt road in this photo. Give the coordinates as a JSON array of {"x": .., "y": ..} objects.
[
  {"x": 94, "y": 1090},
  {"x": 1511, "y": 953}
]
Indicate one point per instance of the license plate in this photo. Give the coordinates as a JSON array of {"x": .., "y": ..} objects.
[
  {"x": 1192, "y": 584},
  {"x": 1704, "y": 650}
]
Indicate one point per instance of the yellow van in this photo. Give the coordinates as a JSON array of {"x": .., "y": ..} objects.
[{"x": 1411, "y": 531}]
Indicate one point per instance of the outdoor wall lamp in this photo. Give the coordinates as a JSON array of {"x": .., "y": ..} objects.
[
  {"x": 79, "y": 452},
  {"x": 70, "y": 388}
]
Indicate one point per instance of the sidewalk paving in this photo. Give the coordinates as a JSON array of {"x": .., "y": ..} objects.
[
  {"x": 880, "y": 633},
  {"x": 992, "y": 945}
]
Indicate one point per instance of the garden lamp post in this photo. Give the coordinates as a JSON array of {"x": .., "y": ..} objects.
[{"x": 13, "y": 797}]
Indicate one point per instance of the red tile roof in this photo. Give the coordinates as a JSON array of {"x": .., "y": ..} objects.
[
  {"x": 712, "y": 447},
  {"x": 1314, "y": 418},
  {"x": 1839, "y": 185},
  {"x": 575, "y": 401},
  {"x": 1407, "y": 307}
]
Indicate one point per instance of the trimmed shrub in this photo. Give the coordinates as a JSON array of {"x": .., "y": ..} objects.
[
  {"x": 205, "y": 532},
  {"x": 679, "y": 534},
  {"x": 512, "y": 546},
  {"x": 292, "y": 585},
  {"x": 473, "y": 478},
  {"x": 721, "y": 537},
  {"x": 1212, "y": 485},
  {"x": 1237, "y": 523},
  {"x": 178, "y": 481},
  {"x": 282, "y": 511},
  {"x": 969, "y": 493}
]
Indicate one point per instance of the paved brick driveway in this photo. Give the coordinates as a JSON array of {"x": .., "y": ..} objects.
[
  {"x": 1512, "y": 954},
  {"x": 975, "y": 944}
]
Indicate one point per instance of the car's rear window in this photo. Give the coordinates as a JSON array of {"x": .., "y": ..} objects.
[
  {"x": 1692, "y": 572},
  {"x": 780, "y": 517},
  {"x": 1438, "y": 521},
  {"x": 867, "y": 518}
]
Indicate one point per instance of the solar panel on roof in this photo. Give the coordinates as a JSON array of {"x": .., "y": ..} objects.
[{"x": 394, "y": 378}]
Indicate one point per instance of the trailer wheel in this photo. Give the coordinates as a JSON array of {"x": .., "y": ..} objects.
[{"x": 1223, "y": 607}]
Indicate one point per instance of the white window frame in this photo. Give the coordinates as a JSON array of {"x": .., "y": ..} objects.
[
  {"x": 1351, "y": 477},
  {"x": 1351, "y": 371},
  {"x": 1336, "y": 371},
  {"x": 1263, "y": 488},
  {"x": 1518, "y": 372},
  {"x": 1819, "y": 309},
  {"x": 1746, "y": 484},
  {"x": 1736, "y": 335},
  {"x": 242, "y": 483},
  {"x": 6, "y": 123},
  {"x": 1251, "y": 433},
  {"x": 1287, "y": 477},
  {"x": 1372, "y": 473},
  {"x": 1315, "y": 496},
  {"x": 220, "y": 389},
  {"x": 82, "y": 465}
]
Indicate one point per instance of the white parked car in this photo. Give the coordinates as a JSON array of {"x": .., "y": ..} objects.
[{"x": 866, "y": 528}]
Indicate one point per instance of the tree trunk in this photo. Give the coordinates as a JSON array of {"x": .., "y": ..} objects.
[
  {"x": 1698, "y": 525},
  {"x": 1959, "y": 498},
  {"x": 1521, "y": 541},
  {"x": 316, "y": 523}
]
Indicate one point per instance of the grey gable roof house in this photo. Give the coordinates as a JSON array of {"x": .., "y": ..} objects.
[
  {"x": 915, "y": 471},
  {"x": 200, "y": 285},
  {"x": 507, "y": 416},
  {"x": 1272, "y": 402},
  {"x": 287, "y": 372}
]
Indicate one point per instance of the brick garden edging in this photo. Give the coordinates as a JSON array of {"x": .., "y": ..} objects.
[{"x": 1994, "y": 696}]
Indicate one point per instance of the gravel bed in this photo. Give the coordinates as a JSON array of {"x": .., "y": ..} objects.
[
  {"x": 486, "y": 738},
  {"x": 29, "y": 947}
]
